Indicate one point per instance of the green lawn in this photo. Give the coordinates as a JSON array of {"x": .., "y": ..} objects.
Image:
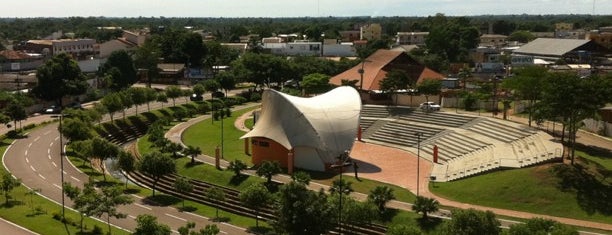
[
  {"x": 536, "y": 189},
  {"x": 207, "y": 136}
]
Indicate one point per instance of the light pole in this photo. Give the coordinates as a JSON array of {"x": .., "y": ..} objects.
[
  {"x": 222, "y": 116},
  {"x": 61, "y": 116},
  {"x": 343, "y": 160},
  {"x": 361, "y": 71},
  {"x": 418, "y": 135}
]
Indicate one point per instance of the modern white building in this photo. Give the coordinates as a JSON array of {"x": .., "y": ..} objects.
[{"x": 307, "y": 133}]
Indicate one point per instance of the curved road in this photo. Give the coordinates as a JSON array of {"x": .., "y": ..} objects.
[{"x": 36, "y": 161}]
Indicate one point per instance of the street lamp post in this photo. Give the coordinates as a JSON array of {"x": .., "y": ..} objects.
[
  {"x": 222, "y": 116},
  {"x": 344, "y": 158},
  {"x": 361, "y": 71},
  {"x": 418, "y": 135},
  {"x": 61, "y": 145}
]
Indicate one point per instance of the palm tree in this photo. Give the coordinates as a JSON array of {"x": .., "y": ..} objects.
[
  {"x": 193, "y": 151},
  {"x": 425, "y": 205},
  {"x": 380, "y": 196}
]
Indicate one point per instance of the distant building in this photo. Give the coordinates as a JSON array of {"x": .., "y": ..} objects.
[
  {"x": 170, "y": 73},
  {"x": 603, "y": 36},
  {"x": 493, "y": 40},
  {"x": 271, "y": 40},
  {"x": 345, "y": 49},
  {"x": 350, "y": 35},
  {"x": 411, "y": 38},
  {"x": 78, "y": 48},
  {"x": 297, "y": 48},
  {"x": 571, "y": 51},
  {"x": 370, "y": 32},
  {"x": 12, "y": 61},
  {"x": 136, "y": 38},
  {"x": 377, "y": 65}
]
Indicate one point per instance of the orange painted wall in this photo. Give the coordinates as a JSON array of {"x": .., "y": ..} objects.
[{"x": 272, "y": 152}]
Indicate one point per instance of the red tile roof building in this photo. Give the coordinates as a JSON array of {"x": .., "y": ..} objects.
[{"x": 377, "y": 65}]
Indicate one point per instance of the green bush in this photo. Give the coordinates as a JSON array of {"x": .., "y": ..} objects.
[
  {"x": 97, "y": 230},
  {"x": 255, "y": 97},
  {"x": 204, "y": 107}
]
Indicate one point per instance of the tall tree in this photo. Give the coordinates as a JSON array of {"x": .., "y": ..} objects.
[
  {"x": 183, "y": 186},
  {"x": 148, "y": 225},
  {"x": 126, "y": 101},
  {"x": 156, "y": 165},
  {"x": 138, "y": 95},
  {"x": 315, "y": 83},
  {"x": 102, "y": 149},
  {"x": 112, "y": 103},
  {"x": 237, "y": 167},
  {"x": 76, "y": 129},
  {"x": 7, "y": 185},
  {"x": 127, "y": 163},
  {"x": 255, "y": 197},
  {"x": 227, "y": 81},
  {"x": 108, "y": 201},
  {"x": 430, "y": 87},
  {"x": 125, "y": 66},
  {"x": 16, "y": 111},
  {"x": 451, "y": 38},
  {"x": 303, "y": 212},
  {"x": 173, "y": 92},
  {"x": 471, "y": 221},
  {"x": 380, "y": 195},
  {"x": 84, "y": 201},
  {"x": 396, "y": 80},
  {"x": 588, "y": 95},
  {"x": 527, "y": 83},
  {"x": 146, "y": 58},
  {"x": 193, "y": 151},
  {"x": 268, "y": 169},
  {"x": 425, "y": 205},
  {"x": 58, "y": 77},
  {"x": 216, "y": 194},
  {"x": 150, "y": 96}
]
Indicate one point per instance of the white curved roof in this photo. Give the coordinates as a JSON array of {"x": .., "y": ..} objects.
[{"x": 327, "y": 122}]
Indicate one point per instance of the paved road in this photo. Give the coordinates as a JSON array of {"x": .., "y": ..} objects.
[
  {"x": 7, "y": 227},
  {"x": 37, "y": 162}
]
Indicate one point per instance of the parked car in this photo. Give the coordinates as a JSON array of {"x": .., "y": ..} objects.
[
  {"x": 196, "y": 97},
  {"x": 429, "y": 106},
  {"x": 51, "y": 110}
]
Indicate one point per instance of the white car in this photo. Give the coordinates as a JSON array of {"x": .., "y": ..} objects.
[{"x": 429, "y": 106}]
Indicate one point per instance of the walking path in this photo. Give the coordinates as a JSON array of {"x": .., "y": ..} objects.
[{"x": 389, "y": 165}]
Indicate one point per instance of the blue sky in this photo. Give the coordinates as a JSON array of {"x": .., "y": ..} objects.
[{"x": 293, "y": 8}]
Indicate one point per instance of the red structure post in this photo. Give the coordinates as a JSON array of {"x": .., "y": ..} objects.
[
  {"x": 435, "y": 153},
  {"x": 359, "y": 133},
  {"x": 290, "y": 157}
]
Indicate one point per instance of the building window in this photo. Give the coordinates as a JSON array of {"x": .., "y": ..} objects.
[
  {"x": 254, "y": 142},
  {"x": 264, "y": 144}
]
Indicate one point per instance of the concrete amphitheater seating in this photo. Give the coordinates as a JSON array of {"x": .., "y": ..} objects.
[{"x": 467, "y": 145}]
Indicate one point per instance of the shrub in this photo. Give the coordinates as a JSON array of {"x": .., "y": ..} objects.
[
  {"x": 97, "y": 230},
  {"x": 255, "y": 97}
]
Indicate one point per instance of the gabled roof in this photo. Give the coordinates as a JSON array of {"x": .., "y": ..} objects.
[
  {"x": 377, "y": 65},
  {"x": 551, "y": 46}
]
